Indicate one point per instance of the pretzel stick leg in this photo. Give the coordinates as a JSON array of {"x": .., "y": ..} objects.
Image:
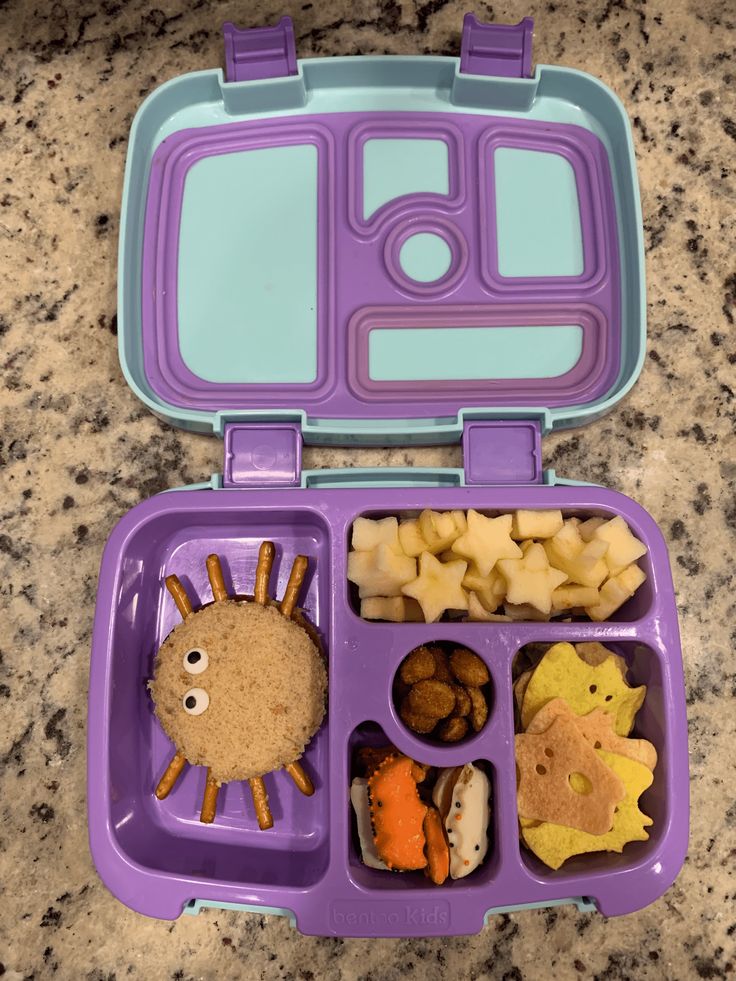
[
  {"x": 214, "y": 571},
  {"x": 179, "y": 594},
  {"x": 296, "y": 580},
  {"x": 260, "y": 802},
  {"x": 171, "y": 775},
  {"x": 266, "y": 555},
  {"x": 300, "y": 777},
  {"x": 209, "y": 801}
]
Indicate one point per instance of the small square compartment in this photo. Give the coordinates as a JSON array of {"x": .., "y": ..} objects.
[
  {"x": 371, "y": 734},
  {"x": 654, "y": 723}
]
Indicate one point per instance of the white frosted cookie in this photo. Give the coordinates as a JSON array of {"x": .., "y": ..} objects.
[
  {"x": 361, "y": 806},
  {"x": 461, "y": 794}
]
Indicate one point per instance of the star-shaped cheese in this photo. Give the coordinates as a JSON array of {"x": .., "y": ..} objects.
[
  {"x": 486, "y": 541},
  {"x": 438, "y": 587},
  {"x": 531, "y": 579}
]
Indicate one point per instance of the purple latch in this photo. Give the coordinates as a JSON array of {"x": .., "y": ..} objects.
[
  {"x": 262, "y": 456},
  {"x": 497, "y": 49},
  {"x": 259, "y": 52},
  {"x": 503, "y": 452}
]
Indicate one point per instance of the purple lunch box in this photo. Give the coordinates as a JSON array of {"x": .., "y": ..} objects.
[{"x": 370, "y": 251}]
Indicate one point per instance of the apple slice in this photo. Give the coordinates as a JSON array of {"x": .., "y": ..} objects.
[
  {"x": 410, "y": 538},
  {"x": 477, "y": 613},
  {"x": 623, "y": 547},
  {"x": 536, "y": 524},
  {"x": 395, "y": 609},
  {"x": 614, "y": 593},
  {"x": 588, "y": 528},
  {"x": 490, "y": 589},
  {"x": 380, "y": 572},
  {"x": 369, "y": 533},
  {"x": 486, "y": 541},
  {"x": 531, "y": 580},
  {"x": 438, "y": 587},
  {"x": 572, "y": 595}
]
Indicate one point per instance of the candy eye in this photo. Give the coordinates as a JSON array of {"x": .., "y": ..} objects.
[
  {"x": 196, "y": 701},
  {"x": 195, "y": 661}
]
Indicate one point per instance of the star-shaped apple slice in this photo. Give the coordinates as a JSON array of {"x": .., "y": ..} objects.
[
  {"x": 438, "y": 587},
  {"x": 531, "y": 579},
  {"x": 380, "y": 572},
  {"x": 486, "y": 541}
]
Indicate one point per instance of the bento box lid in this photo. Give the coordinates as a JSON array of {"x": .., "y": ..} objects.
[{"x": 376, "y": 247}]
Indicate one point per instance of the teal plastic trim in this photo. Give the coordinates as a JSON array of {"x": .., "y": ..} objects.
[
  {"x": 281, "y": 346},
  {"x": 214, "y": 483},
  {"x": 397, "y": 83},
  {"x": 425, "y": 257},
  {"x": 539, "y": 232},
  {"x": 395, "y": 167},
  {"x": 583, "y": 903},
  {"x": 566, "y": 482},
  {"x": 383, "y": 432},
  {"x": 384, "y": 477},
  {"x": 446, "y": 352},
  {"x": 351, "y": 477},
  {"x": 194, "y": 907}
]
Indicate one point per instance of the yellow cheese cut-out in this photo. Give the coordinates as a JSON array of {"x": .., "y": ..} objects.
[
  {"x": 562, "y": 674},
  {"x": 554, "y": 843}
]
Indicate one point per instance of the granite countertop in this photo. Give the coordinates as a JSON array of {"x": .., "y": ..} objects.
[{"x": 77, "y": 450}]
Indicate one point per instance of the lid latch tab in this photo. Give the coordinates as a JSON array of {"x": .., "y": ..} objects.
[
  {"x": 259, "y": 52},
  {"x": 503, "y": 452},
  {"x": 268, "y": 455},
  {"x": 496, "y": 49}
]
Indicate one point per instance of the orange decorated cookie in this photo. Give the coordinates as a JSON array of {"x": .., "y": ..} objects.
[{"x": 397, "y": 813}]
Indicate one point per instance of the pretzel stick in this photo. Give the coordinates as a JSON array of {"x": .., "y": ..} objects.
[
  {"x": 298, "y": 774},
  {"x": 183, "y": 603},
  {"x": 172, "y": 774},
  {"x": 214, "y": 571},
  {"x": 266, "y": 555},
  {"x": 296, "y": 580},
  {"x": 260, "y": 802},
  {"x": 209, "y": 801}
]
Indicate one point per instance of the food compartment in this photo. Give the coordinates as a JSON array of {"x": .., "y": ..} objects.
[
  {"x": 371, "y": 736},
  {"x": 654, "y": 722},
  {"x": 175, "y": 534},
  {"x": 443, "y": 693},
  {"x": 525, "y": 563}
]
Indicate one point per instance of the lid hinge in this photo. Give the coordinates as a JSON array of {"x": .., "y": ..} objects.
[
  {"x": 259, "y": 52},
  {"x": 262, "y": 456},
  {"x": 496, "y": 49},
  {"x": 503, "y": 452}
]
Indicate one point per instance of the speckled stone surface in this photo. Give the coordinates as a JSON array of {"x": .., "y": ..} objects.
[{"x": 77, "y": 451}]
